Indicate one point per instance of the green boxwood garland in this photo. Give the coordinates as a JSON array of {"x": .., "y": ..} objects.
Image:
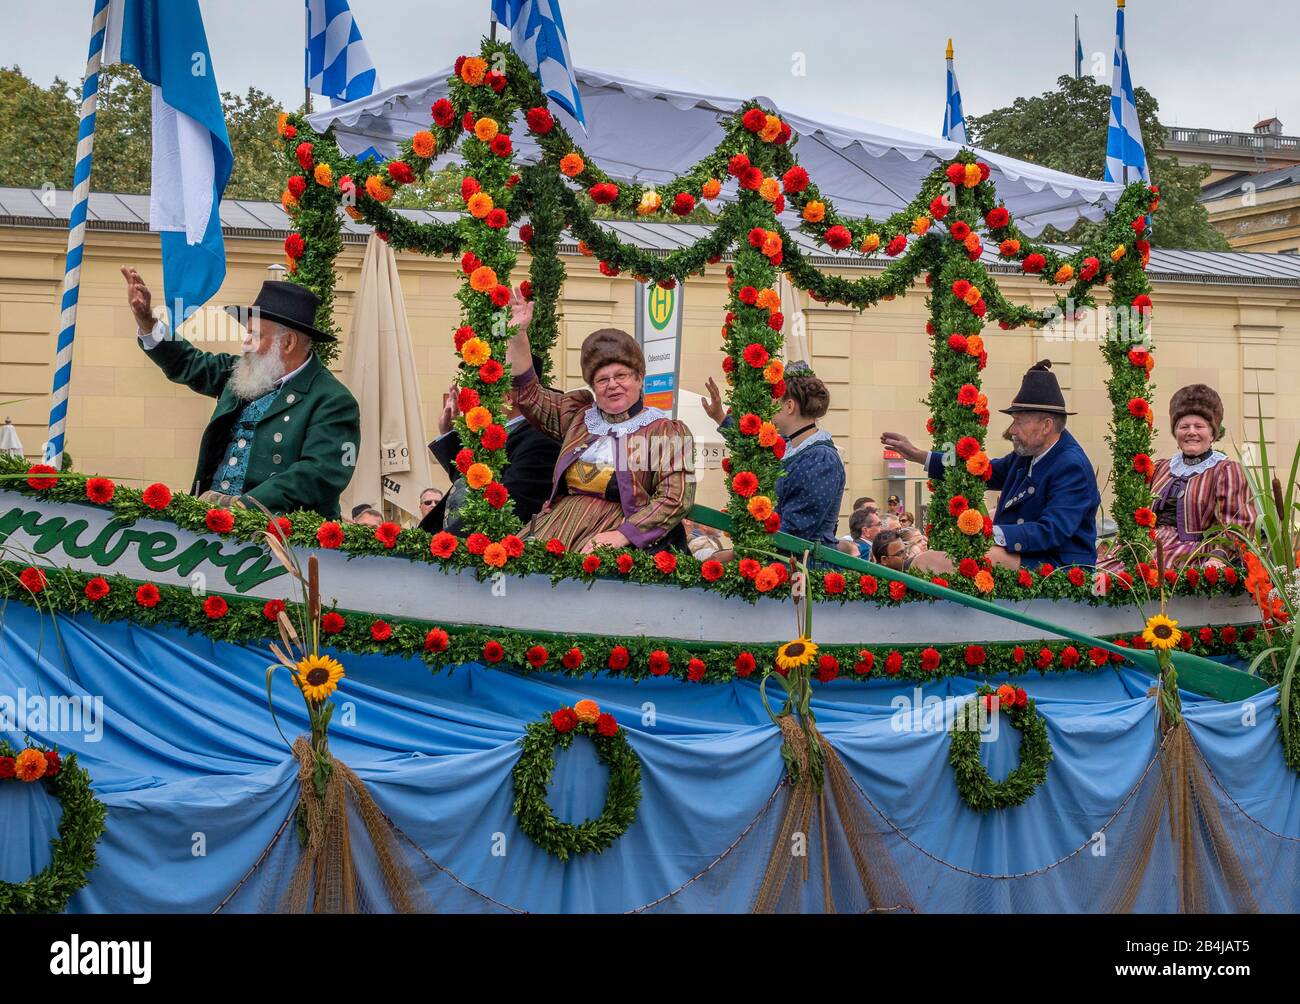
[
  {"x": 532, "y": 777},
  {"x": 834, "y": 585},
  {"x": 73, "y": 855},
  {"x": 976, "y": 787},
  {"x": 250, "y": 621},
  {"x": 950, "y": 196}
]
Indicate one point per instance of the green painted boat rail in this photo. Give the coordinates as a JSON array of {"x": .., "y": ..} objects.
[{"x": 1195, "y": 673}]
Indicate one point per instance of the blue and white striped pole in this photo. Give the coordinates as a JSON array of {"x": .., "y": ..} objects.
[{"x": 76, "y": 238}]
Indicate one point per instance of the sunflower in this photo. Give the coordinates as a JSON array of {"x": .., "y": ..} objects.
[
  {"x": 318, "y": 676},
  {"x": 799, "y": 652},
  {"x": 1162, "y": 632}
]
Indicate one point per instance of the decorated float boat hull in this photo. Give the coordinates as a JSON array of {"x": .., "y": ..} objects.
[{"x": 89, "y": 540}]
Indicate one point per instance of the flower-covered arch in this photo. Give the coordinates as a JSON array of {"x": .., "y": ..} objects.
[{"x": 937, "y": 238}]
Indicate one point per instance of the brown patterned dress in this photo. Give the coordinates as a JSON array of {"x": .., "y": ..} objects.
[
  {"x": 1190, "y": 499},
  {"x": 632, "y": 473}
]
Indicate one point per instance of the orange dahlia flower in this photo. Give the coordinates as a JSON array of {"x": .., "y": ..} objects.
[
  {"x": 971, "y": 521},
  {"x": 483, "y": 279},
  {"x": 479, "y": 205},
  {"x": 870, "y": 243},
  {"x": 423, "y": 144},
  {"x": 984, "y": 580},
  {"x": 477, "y": 417},
  {"x": 814, "y": 211},
  {"x": 478, "y": 475},
  {"x": 475, "y": 351},
  {"x": 377, "y": 190},
  {"x": 771, "y": 129},
  {"x": 30, "y": 765},
  {"x": 323, "y": 175},
  {"x": 711, "y": 188},
  {"x": 473, "y": 70},
  {"x": 760, "y": 507},
  {"x": 1065, "y": 273},
  {"x": 769, "y": 189},
  {"x": 774, "y": 371},
  {"x": 771, "y": 244},
  {"x": 495, "y": 555},
  {"x": 920, "y": 225},
  {"x": 768, "y": 299},
  {"x": 650, "y": 203},
  {"x": 977, "y": 465},
  {"x": 486, "y": 129},
  {"x": 767, "y": 434},
  {"x": 571, "y": 165},
  {"x": 975, "y": 344},
  {"x": 587, "y": 710}
]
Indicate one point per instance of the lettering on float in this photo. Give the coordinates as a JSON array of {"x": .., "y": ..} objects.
[{"x": 158, "y": 551}]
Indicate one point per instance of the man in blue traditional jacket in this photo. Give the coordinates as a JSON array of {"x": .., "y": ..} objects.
[{"x": 1047, "y": 511}]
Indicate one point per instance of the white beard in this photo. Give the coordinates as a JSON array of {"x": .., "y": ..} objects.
[{"x": 256, "y": 374}]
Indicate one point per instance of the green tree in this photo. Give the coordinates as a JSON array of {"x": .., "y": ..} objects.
[
  {"x": 38, "y": 132},
  {"x": 123, "y": 132},
  {"x": 438, "y": 191},
  {"x": 1065, "y": 129},
  {"x": 259, "y": 171}
]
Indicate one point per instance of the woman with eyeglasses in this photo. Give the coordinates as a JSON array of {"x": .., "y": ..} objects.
[
  {"x": 1198, "y": 487},
  {"x": 624, "y": 475}
]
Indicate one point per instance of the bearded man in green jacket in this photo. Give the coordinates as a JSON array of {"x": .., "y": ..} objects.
[{"x": 285, "y": 431}]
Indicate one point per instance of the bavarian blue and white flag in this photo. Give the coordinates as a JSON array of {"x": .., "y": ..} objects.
[
  {"x": 537, "y": 33},
  {"x": 165, "y": 41},
  {"x": 1124, "y": 139},
  {"x": 338, "y": 65},
  {"x": 954, "y": 122}
]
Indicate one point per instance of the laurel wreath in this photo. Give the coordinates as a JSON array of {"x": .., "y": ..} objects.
[
  {"x": 974, "y": 783},
  {"x": 532, "y": 777},
  {"x": 73, "y": 856}
]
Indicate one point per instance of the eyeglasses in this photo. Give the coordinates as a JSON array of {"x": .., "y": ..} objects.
[{"x": 622, "y": 379}]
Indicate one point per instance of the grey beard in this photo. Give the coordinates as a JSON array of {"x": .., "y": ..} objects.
[
  {"x": 255, "y": 375},
  {"x": 1021, "y": 450}
]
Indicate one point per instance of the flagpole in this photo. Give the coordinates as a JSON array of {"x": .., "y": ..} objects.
[
  {"x": 53, "y": 452},
  {"x": 1077, "y": 67},
  {"x": 306, "y": 54}
]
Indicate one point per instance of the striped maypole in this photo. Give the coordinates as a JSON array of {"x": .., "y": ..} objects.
[{"x": 76, "y": 238}]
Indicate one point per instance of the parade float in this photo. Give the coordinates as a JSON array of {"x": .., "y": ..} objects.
[{"x": 795, "y": 730}]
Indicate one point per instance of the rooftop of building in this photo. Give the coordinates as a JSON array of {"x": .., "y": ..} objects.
[{"x": 26, "y": 207}]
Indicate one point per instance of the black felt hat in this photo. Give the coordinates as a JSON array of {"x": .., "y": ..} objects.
[
  {"x": 1039, "y": 391},
  {"x": 287, "y": 303}
]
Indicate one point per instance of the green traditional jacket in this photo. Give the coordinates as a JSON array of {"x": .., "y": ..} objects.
[{"x": 305, "y": 446}]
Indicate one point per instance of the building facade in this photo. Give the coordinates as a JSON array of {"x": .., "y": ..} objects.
[{"x": 1229, "y": 320}]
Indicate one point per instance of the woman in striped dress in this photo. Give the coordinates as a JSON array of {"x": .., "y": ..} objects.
[
  {"x": 625, "y": 473},
  {"x": 1197, "y": 488}
]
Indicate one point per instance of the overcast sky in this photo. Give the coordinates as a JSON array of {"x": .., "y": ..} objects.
[{"x": 1212, "y": 65}]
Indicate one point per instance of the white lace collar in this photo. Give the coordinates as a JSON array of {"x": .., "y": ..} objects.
[
  {"x": 1180, "y": 468},
  {"x": 597, "y": 424},
  {"x": 820, "y": 436}
]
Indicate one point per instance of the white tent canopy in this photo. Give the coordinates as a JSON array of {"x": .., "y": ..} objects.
[{"x": 647, "y": 133}]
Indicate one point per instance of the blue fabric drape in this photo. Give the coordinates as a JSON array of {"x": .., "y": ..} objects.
[{"x": 189, "y": 760}]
